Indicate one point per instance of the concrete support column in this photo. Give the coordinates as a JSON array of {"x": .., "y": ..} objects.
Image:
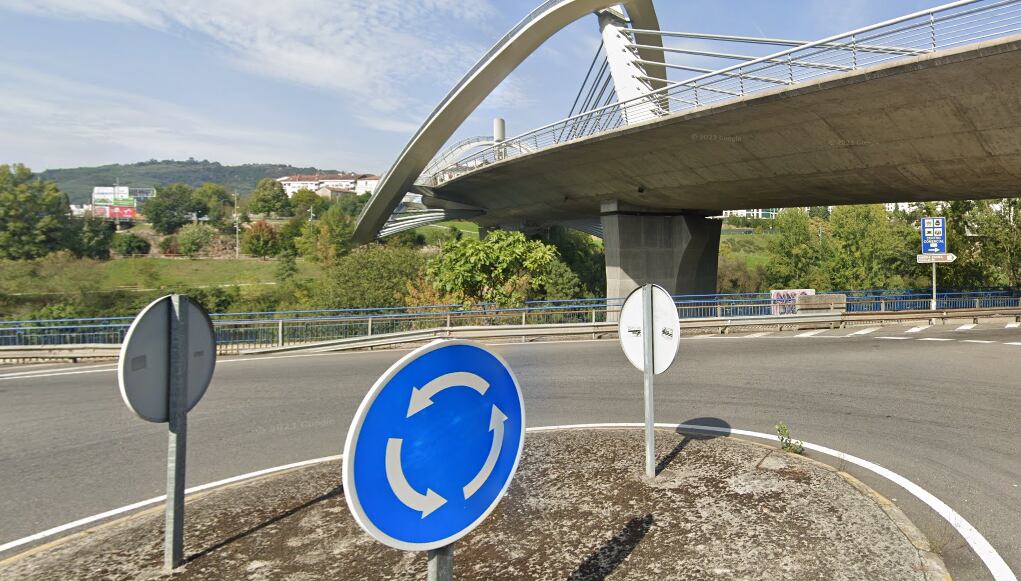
[{"x": 677, "y": 251}]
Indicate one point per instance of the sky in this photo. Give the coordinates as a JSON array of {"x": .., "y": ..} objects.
[{"x": 336, "y": 84}]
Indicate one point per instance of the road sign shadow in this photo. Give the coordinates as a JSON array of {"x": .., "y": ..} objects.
[
  {"x": 332, "y": 493},
  {"x": 689, "y": 435},
  {"x": 600, "y": 564}
]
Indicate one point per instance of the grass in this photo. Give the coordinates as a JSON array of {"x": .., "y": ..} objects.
[
  {"x": 751, "y": 247},
  {"x": 434, "y": 232},
  {"x": 56, "y": 275}
]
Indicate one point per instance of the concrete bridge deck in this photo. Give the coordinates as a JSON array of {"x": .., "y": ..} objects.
[{"x": 946, "y": 125}]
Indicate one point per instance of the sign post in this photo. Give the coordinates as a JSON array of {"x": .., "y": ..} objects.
[
  {"x": 433, "y": 448},
  {"x": 650, "y": 332},
  {"x": 165, "y": 366},
  {"x": 934, "y": 242}
]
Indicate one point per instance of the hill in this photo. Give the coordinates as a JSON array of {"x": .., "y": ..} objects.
[{"x": 78, "y": 182}]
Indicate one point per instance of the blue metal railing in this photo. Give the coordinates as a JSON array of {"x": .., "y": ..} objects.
[{"x": 296, "y": 326}]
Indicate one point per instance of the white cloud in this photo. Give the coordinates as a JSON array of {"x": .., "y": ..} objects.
[
  {"x": 52, "y": 122},
  {"x": 374, "y": 52}
]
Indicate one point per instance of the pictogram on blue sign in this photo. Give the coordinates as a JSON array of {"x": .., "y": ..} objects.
[
  {"x": 434, "y": 445},
  {"x": 934, "y": 235}
]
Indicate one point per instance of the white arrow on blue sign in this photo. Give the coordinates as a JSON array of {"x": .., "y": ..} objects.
[{"x": 434, "y": 445}]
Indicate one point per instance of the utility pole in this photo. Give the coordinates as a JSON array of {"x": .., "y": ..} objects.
[
  {"x": 311, "y": 214},
  {"x": 237, "y": 229}
]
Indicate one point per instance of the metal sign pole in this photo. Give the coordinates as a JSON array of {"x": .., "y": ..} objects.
[
  {"x": 441, "y": 563},
  {"x": 650, "y": 373},
  {"x": 173, "y": 540},
  {"x": 933, "y": 306}
]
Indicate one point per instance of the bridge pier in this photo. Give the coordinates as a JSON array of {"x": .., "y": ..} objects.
[{"x": 678, "y": 251}]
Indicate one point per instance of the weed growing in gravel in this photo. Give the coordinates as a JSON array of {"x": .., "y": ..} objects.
[{"x": 788, "y": 445}]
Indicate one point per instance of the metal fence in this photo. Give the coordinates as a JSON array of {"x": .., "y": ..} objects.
[
  {"x": 240, "y": 331},
  {"x": 943, "y": 27}
]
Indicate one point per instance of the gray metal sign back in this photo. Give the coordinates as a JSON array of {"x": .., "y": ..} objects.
[
  {"x": 144, "y": 366},
  {"x": 666, "y": 329}
]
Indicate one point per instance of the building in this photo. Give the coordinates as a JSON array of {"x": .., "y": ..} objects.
[
  {"x": 345, "y": 181},
  {"x": 764, "y": 213},
  {"x": 366, "y": 183}
]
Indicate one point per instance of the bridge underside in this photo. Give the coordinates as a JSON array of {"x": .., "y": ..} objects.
[{"x": 942, "y": 126}]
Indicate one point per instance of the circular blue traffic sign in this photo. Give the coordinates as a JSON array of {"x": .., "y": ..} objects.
[{"x": 434, "y": 445}]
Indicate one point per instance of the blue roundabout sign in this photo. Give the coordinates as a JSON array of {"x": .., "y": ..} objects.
[{"x": 434, "y": 445}]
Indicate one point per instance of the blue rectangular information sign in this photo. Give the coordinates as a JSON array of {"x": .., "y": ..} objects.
[{"x": 934, "y": 235}]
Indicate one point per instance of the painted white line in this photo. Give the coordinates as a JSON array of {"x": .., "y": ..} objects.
[
  {"x": 1012, "y": 325},
  {"x": 144, "y": 503},
  {"x": 893, "y": 338},
  {"x": 59, "y": 370},
  {"x": 56, "y": 374},
  {"x": 977, "y": 341},
  {"x": 754, "y": 335},
  {"x": 865, "y": 331},
  {"x": 935, "y": 339},
  {"x": 918, "y": 329},
  {"x": 967, "y": 327},
  {"x": 1015, "y": 343},
  {"x": 811, "y": 333},
  {"x": 978, "y": 543}
]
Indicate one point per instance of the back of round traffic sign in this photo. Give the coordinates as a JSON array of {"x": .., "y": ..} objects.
[
  {"x": 666, "y": 329},
  {"x": 434, "y": 445},
  {"x": 144, "y": 364}
]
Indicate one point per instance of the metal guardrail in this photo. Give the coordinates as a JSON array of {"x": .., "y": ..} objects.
[
  {"x": 943, "y": 27},
  {"x": 235, "y": 337}
]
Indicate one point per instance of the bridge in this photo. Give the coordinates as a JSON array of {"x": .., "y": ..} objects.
[{"x": 920, "y": 107}]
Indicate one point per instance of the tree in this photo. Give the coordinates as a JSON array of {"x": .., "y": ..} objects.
[
  {"x": 352, "y": 204},
  {"x": 370, "y": 276},
  {"x": 269, "y": 198},
  {"x": 795, "y": 251},
  {"x": 194, "y": 238},
  {"x": 504, "y": 268},
  {"x": 305, "y": 199},
  {"x": 260, "y": 239},
  {"x": 1002, "y": 229},
  {"x": 821, "y": 212},
  {"x": 585, "y": 257},
  {"x": 129, "y": 245},
  {"x": 217, "y": 202},
  {"x": 286, "y": 268},
  {"x": 865, "y": 251},
  {"x": 94, "y": 238},
  {"x": 172, "y": 207},
  {"x": 35, "y": 217},
  {"x": 327, "y": 239},
  {"x": 975, "y": 266}
]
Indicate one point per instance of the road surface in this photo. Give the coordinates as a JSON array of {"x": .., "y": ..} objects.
[{"x": 939, "y": 405}]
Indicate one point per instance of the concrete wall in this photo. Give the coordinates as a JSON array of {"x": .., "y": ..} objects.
[{"x": 676, "y": 251}]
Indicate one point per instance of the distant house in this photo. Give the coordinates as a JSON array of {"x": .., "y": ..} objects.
[
  {"x": 366, "y": 184},
  {"x": 333, "y": 192},
  {"x": 313, "y": 182}
]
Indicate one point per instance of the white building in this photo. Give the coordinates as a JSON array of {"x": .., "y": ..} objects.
[
  {"x": 766, "y": 213},
  {"x": 366, "y": 183}
]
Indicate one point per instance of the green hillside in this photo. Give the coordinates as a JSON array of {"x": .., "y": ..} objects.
[{"x": 78, "y": 182}]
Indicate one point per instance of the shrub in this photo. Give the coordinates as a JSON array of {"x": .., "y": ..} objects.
[
  {"x": 130, "y": 245},
  {"x": 194, "y": 238},
  {"x": 260, "y": 240},
  {"x": 168, "y": 245}
]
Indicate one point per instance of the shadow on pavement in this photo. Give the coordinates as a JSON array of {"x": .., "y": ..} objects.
[
  {"x": 604, "y": 561},
  {"x": 336, "y": 491},
  {"x": 690, "y": 435}
]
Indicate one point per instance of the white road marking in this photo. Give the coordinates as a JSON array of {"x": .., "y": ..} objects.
[
  {"x": 58, "y": 370},
  {"x": 918, "y": 329},
  {"x": 810, "y": 333},
  {"x": 935, "y": 339},
  {"x": 977, "y": 341},
  {"x": 967, "y": 327},
  {"x": 865, "y": 331},
  {"x": 978, "y": 543},
  {"x": 894, "y": 338},
  {"x": 1012, "y": 325},
  {"x": 759, "y": 334},
  {"x": 1015, "y": 343}
]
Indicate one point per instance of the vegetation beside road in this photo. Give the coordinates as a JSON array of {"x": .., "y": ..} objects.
[{"x": 299, "y": 253}]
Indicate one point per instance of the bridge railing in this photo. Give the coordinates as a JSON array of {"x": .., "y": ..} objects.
[
  {"x": 240, "y": 331},
  {"x": 948, "y": 26}
]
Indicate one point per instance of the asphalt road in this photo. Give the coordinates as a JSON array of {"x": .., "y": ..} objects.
[{"x": 939, "y": 406}]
